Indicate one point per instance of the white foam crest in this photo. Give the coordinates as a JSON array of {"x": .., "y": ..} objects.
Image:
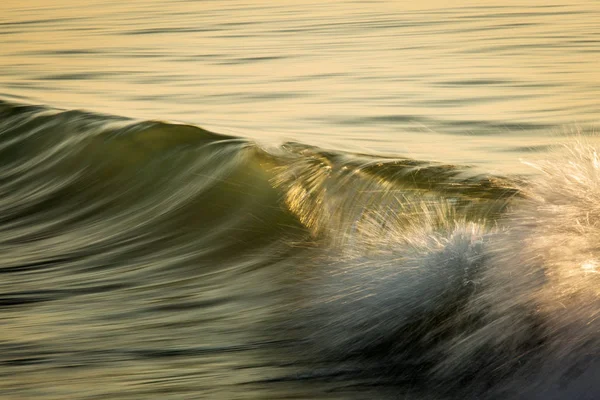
[
  {"x": 389, "y": 277},
  {"x": 512, "y": 312},
  {"x": 540, "y": 297}
]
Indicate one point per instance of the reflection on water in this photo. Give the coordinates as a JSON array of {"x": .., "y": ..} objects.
[
  {"x": 487, "y": 79},
  {"x": 155, "y": 260}
]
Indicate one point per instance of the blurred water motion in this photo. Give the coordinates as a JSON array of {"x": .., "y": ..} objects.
[{"x": 338, "y": 237}]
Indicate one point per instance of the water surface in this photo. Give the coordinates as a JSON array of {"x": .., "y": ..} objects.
[{"x": 339, "y": 200}]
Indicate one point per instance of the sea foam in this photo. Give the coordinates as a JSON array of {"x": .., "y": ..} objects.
[{"x": 507, "y": 309}]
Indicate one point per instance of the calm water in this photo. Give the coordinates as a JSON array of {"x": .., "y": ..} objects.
[
  {"x": 467, "y": 82},
  {"x": 329, "y": 242}
]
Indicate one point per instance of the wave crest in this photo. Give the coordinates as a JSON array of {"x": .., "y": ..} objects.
[{"x": 497, "y": 309}]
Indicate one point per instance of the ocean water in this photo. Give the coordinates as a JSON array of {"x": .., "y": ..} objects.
[{"x": 299, "y": 200}]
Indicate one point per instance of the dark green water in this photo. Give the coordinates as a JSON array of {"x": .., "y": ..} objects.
[{"x": 145, "y": 258}]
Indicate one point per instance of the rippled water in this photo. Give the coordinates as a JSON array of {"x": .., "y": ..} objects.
[
  {"x": 330, "y": 241},
  {"x": 490, "y": 80}
]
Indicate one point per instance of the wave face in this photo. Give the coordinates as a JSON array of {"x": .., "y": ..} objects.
[{"x": 141, "y": 257}]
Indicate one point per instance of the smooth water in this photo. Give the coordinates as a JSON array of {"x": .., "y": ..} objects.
[
  {"x": 482, "y": 82},
  {"x": 340, "y": 212}
]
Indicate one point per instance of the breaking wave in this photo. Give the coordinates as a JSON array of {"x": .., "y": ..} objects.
[{"x": 423, "y": 276}]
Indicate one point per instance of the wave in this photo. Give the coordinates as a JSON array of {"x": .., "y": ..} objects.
[
  {"x": 471, "y": 307},
  {"x": 435, "y": 276}
]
